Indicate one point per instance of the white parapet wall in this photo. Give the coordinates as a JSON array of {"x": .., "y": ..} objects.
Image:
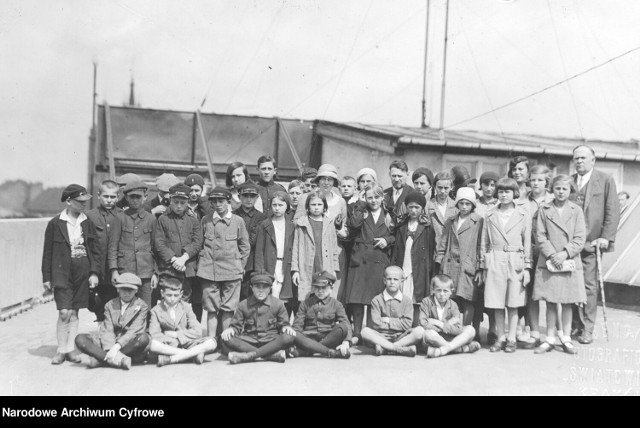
[{"x": 21, "y": 245}]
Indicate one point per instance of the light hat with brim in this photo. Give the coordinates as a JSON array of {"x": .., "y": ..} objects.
[
  {"x": 128, "y": 280},
  {"x": 327, "y": 170},
  {"x": 466, "y": 194}
]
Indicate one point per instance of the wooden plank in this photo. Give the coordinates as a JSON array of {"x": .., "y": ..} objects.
[
  {"x": 294, "y": 152},
  {"x": 212, "y": 175},
  {"x": 112, "y": 167}
]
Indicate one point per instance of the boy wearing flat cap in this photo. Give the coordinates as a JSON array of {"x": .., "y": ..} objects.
[
  {"x": 130, "y": 249},
  {"x": 178, "y": 241},
  {"x": 321, "y": 324},
  {"x": 122, "y": 181},
  {"x": 70, "y": 265},
  {"x": 122, "y": 333},
  {"x": 260, "y": 326},
  {"x": 176, "y": 334},
  {"x": 248, "y": 193},
  {"x": 222, "y": 261}
]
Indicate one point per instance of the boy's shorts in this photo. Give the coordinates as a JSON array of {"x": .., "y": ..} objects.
[
  {"x": 392, "y": 337},
  {"x": 76, "y": 293},
  {"x": 220, "y": 296}
]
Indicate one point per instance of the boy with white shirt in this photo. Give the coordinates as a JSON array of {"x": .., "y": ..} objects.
[
  {"x": 70, "y": 266},
  {"x": 392, "y": 317}
]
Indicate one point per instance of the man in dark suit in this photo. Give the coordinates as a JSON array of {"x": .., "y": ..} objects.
[
  {"x": 394, "y": 196},
  {"x": 598, "y": 197}
]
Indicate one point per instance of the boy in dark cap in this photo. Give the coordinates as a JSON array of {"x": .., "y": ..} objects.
[
  {"x": 176, "y": 334},
  {"x": 321, "y": 324},
  {"x": 198, "y": 204},
  {"x": 70, "y": 265},
  {"x": 248, "y": 193},
  {"x": 122, "y": 333},
  {"x": 260, "y": 326},
  {"x": 222, "y": 261},
  {"x": 178, "y": 241},
  {"x": 104, "y": 217},
  {"x": 130, "y": 249},
  {"x": 122, "y": 181}
]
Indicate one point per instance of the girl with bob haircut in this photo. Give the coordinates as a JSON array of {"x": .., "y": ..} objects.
[{"x": 505, "y": 258}]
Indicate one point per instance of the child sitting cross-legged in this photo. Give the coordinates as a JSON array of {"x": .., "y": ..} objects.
[
  {"x": 176, "y": 334},
  {"x": 392, "y": 316},
  {"x": 321, "y": 324},
  {"x": 440, "y": 317},
  {"x": 260, "y": 326}
]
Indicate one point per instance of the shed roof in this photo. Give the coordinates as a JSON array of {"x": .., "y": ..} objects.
[{"x": 628, "y": 151}]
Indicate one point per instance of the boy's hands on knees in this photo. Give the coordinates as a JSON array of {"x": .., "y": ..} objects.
[
  {"x": 295, "y": 278},
  {"x": 46, "y": 285},
  {"x": 111, "y": 355},
  {"x": 343, "y": 348},
  {"x": 228, "y": 334},
  {"x": 93, "y": 281},
  {"x": 289, "y": 331},
  {"x": 154, "y": 281},
  {"x": 385, "y": 320}
]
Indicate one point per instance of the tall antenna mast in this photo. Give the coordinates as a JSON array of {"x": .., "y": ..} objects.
[
  {"x": 423, "y": 124},
  {"x": 444, "y": 69}
]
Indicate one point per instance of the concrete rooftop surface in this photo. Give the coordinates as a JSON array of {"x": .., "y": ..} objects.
[{"x": 602, "y": 368}]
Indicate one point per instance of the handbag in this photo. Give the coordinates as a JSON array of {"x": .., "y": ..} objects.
[{"x": 567, "y": 266}]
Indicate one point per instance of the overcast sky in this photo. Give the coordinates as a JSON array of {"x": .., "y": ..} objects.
[{"x": 357, "y": 60}]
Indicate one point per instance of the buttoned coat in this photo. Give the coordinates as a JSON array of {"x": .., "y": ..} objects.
[
  {"x": 318, "y": 317},
  {"x": 260, "y": 320},
  {"x": 104, "y": 221},
  {"x": 459, "y": 254},
  {"x": 422, "y": 255},
  {"x": 186, "y": 324},
  {"x": 601, "y": 209},
  {"x": 451, "y": 317},
  {"x": 266, "y": 255},
  {"x": 174, "y": 236},
  {"x": 505, "y": 253},
  {"x": 437, "y": 219},
  {"x": 304, "y": 249},
  {"x": 556, "y": 233},
  {"x": 367, "y": 264},
  {"x": 122, "y": 328},
  {"x": 131, "y": 246},
  {"x": 56, "y": 256},
  {"x": 252, "y": 220},
  {"x": 226, "y": 248}
]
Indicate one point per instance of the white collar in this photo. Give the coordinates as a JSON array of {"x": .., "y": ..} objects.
[
  {"x": 65, "y": 217},
  {"x": 585, "y": 178},
  {"x": 386, "y": 296},
  {"x": 227, "y": 215}
]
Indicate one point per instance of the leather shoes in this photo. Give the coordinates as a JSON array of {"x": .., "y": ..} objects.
[
  {"x": 510, "y": 347},
  {"x": 585, "y": 339}
]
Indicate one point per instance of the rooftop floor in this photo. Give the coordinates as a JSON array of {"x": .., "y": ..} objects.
[{"x": 28, "y": 344}]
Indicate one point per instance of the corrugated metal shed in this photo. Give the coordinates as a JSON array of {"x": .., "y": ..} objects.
[
  {"x": 623, "y": 266},
  {"x": 495, "y": 142}
]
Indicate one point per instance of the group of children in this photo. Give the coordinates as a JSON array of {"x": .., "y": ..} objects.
[{"x": 417, "y": 265}]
